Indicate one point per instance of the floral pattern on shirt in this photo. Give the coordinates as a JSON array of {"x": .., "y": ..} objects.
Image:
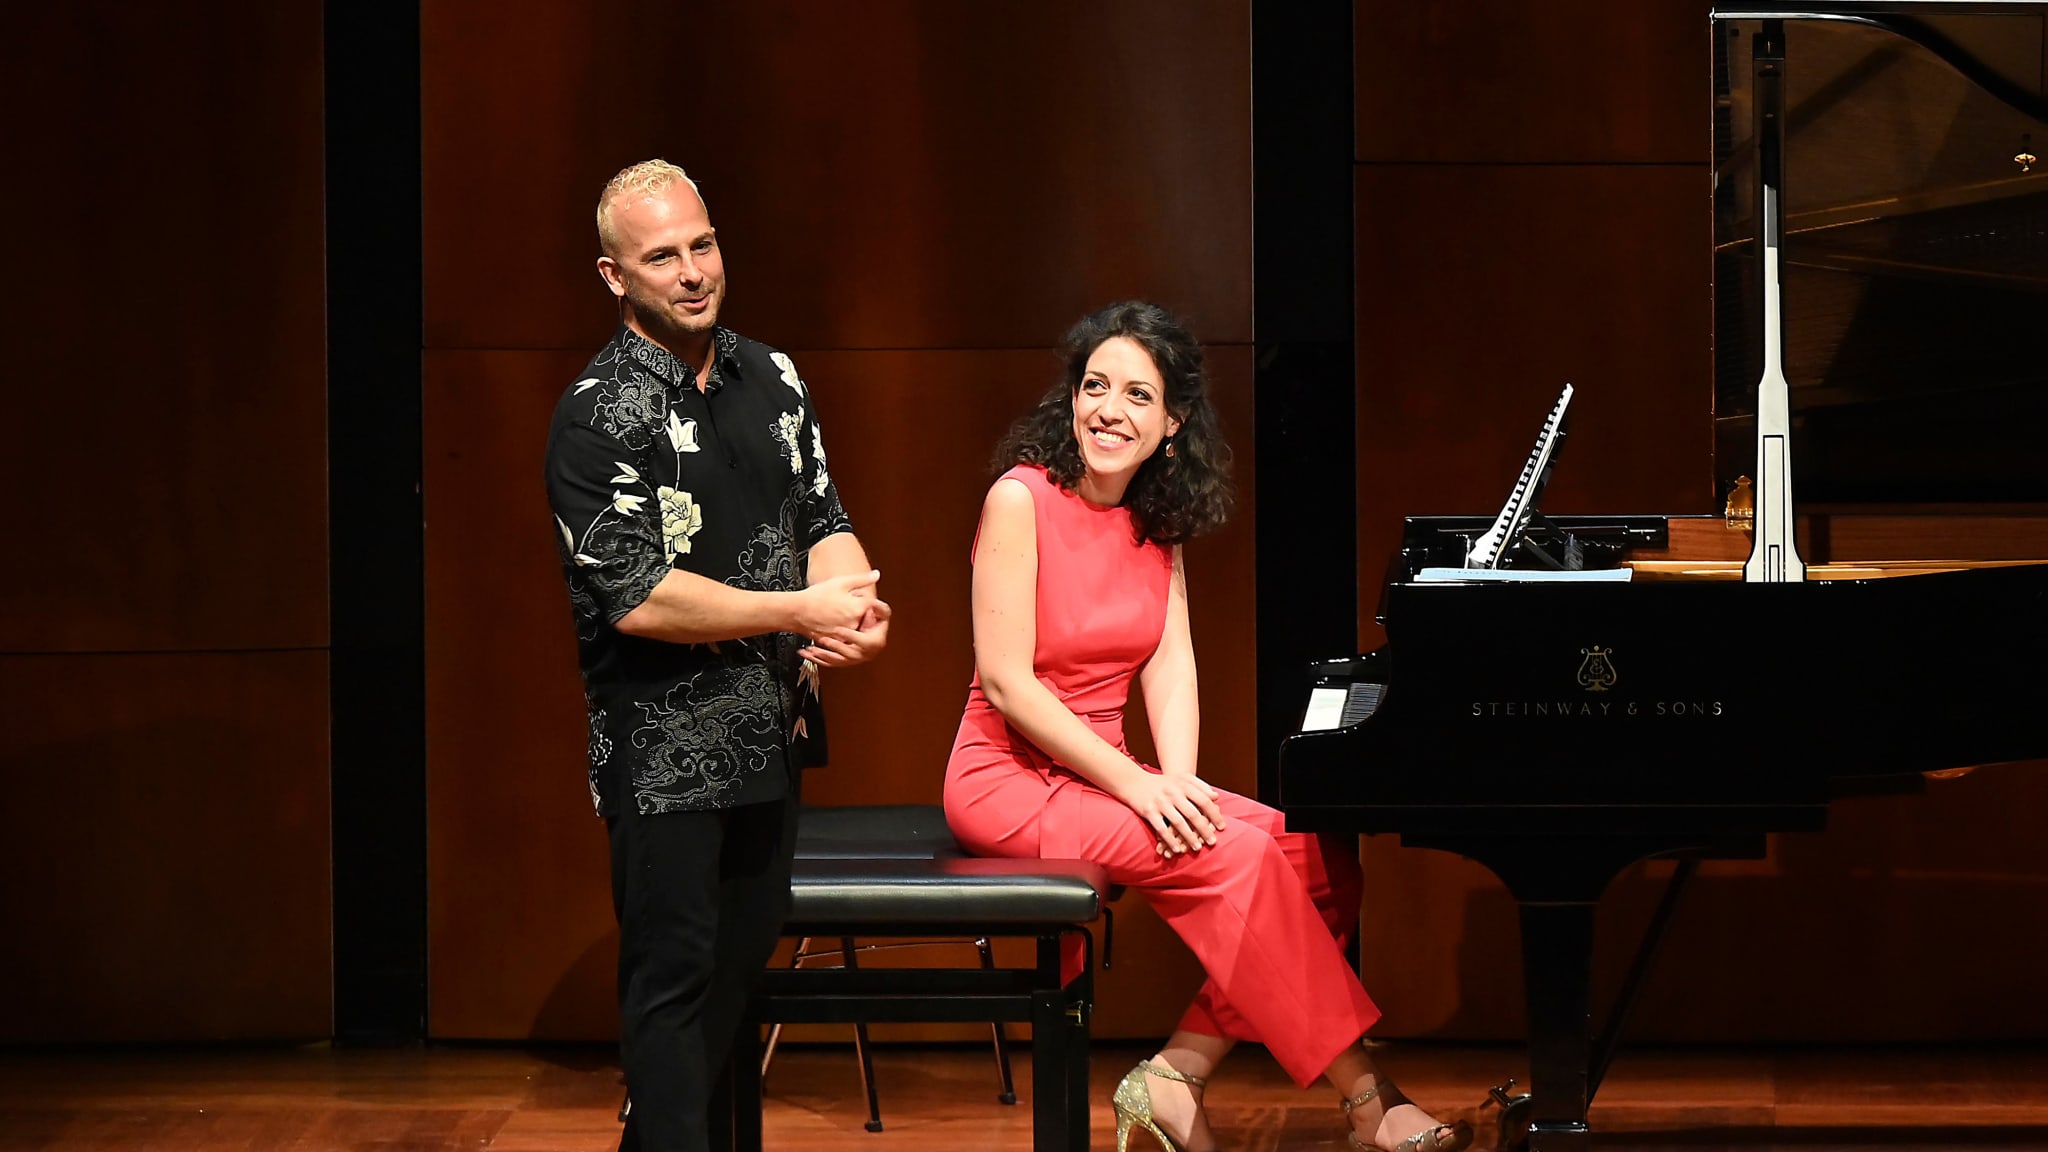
[{"x": 646, "y": 473}]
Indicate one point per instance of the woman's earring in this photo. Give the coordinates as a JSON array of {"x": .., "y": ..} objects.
[{"x": 1169, "y": 445}]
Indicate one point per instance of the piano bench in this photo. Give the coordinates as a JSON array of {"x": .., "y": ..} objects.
[{"x": 894, "y": 872}]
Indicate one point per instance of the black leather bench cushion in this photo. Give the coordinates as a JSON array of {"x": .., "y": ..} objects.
[
  {"x": 857, "y": 892},
  {"x": 874, "y": 832}
]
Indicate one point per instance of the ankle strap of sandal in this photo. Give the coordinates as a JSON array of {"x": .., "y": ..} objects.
[
  {"x": 1366, "y": 1097},
  {"x": 1162, "y": 1071}
]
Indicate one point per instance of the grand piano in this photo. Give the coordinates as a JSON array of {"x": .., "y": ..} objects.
[{"x": 1560, "y": 698}]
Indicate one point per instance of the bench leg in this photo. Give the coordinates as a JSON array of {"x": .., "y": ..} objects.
[
  {"x": 1059, "y": 1058},
  {"x": 1009, "y": 1093},
  {"x": 1077, "y": 1078},
  {"x": 860, "y": 1045},
  {"x": 1048, "y": 1076},
  {"x": 796, "y": 960},
  {"x": 1080, "y": 1006}
]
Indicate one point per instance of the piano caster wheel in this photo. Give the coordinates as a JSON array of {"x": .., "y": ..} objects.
[{"x": 1513, "y": 1122}]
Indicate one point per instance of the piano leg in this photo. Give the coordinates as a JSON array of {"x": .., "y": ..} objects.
[
  {"x": 1557, "y": 882},
  {"x": 1557, "y": 965}
]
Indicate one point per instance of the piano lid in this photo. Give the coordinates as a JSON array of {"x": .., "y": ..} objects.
[{"x": 1915, "y": 249}]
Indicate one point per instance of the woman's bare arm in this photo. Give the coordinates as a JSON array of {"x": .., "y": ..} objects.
[{"x": 1005, "y": 593}]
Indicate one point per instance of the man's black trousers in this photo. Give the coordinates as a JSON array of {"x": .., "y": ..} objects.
[{"x": 701, "y": 898}]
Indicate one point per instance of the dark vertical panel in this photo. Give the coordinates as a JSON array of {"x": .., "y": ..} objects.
[
  {"x": 378, "y": 686},
  {"x": 1522, "y": 82},
  {"x": 163, "y": 679},
  {"x": 1302, "y": 317}
]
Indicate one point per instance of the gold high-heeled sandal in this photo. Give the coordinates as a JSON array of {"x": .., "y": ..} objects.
[
  {"x": 1133, "y": 1103},
  {"x": 1431, "y": 1139}
]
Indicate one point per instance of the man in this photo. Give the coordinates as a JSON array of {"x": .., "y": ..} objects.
[{"x": 711, "y": 569}]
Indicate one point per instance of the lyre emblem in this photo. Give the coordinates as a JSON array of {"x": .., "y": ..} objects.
[{"x": 1596, "y": 671}]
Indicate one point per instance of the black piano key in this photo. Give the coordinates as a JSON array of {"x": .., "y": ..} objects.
[{"x": 1361, "y": 700}]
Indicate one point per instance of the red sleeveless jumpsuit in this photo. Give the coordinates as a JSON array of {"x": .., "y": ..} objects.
[{"x": 1266, "y": 911}]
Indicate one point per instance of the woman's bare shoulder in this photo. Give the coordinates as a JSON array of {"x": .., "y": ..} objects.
[{"x": 1009, "y": 494}]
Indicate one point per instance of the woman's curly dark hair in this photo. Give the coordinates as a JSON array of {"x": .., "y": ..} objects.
[{"x": 1172, "y": 497}]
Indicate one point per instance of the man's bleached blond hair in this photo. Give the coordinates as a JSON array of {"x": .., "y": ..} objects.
[{"x": 647, "y": 178}]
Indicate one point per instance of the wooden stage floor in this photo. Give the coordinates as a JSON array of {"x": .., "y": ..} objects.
[{"x": 565, "y": 1099}]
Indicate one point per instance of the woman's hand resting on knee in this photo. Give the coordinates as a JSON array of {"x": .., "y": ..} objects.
[{"x": 1179, "y": 809}]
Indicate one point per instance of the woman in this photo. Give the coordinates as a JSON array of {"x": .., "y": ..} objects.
[{"x": 1078, "y": 588}]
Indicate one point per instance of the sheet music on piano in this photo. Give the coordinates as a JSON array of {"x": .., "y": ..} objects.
[
  {"x": 1529, "y": 575},
  {"x": 1488, "y": 558}
]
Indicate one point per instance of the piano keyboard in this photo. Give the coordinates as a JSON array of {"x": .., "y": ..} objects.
[{"x": 1341, "y": 707}]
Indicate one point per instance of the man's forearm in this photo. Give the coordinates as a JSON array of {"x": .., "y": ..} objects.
[
  {"x": 686, "y": 608},
  {"x": 839, "y": 554}
]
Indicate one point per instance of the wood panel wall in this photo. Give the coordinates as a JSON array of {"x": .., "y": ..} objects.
[
  {"x": 915, "y": 199},
  {"x": 1533, "y": 208},
  {"x": 163, "y": 668}
]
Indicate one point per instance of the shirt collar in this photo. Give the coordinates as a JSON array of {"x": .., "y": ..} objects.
[{"x": 672, "y": 369}]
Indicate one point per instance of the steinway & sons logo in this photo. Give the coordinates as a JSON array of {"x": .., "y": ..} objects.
[
  {"x": 1596, "y": 671},
  {"x": 1597, "y": 675}
]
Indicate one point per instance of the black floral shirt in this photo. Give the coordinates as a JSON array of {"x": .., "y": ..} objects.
[{"x": 645, "y": 473}]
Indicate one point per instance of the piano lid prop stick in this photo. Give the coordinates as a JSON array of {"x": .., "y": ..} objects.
[{"x": 1774, "y": 556}]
